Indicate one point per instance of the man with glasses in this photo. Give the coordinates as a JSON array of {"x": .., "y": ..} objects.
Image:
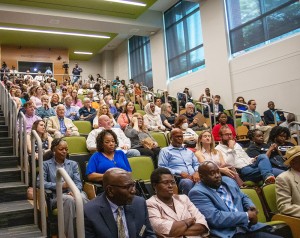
[
  {"x": 117, "y": 212},
  {"x": 253, "y": 169}
]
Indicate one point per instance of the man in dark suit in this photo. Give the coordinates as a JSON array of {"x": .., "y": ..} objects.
[
  {"x": 269, "y": 115},
  {"x": 228, "y": 211},
  {"x": 117, "y": 213}
]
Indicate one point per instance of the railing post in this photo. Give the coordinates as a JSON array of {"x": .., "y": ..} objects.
[
  {"x": 234, "y": 111},
  {"x": 209, "y": 111},
  {"x": 295, "y": 123},
  {"x": 275, "y": 121}
]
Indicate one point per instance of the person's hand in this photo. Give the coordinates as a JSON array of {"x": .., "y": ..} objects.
[
  {"x": 227, "y": 172},
  {"x": 190, "y": 221},
  {"x": 196, "y": 177},
  {"x": 65, "y": 185},
  {"x": 261, "y": 123},
  {"x": 71, "y": 194},
  {"x": 134, "y": 120},
  {"x": 231, "y": 144},
  {"x": 186, "y": 175},
  {"x": 73, "y": 113},
  {"x": 195, "y": 121},
  {"x": 273, "y": 146},
  {"x": 68, "y": 132},
  {"x": 252, "y": 215},
  {"x": 124, "y": 147}
]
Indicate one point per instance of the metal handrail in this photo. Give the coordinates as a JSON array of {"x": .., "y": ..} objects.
[
  {"x": 164, "y": 93},
  {"x": 295, "y": 123},
  {"x": 209, "y": 111},
  {"x": 234, "y": 111},
  {"x": 275, "y": 121},
  {"x": 23, "y": 147},
  {"x": 35, "y": 138},
  {"x": 152, "y": 93},
  {"x": 61, "y": 173},
  {"x": 252, "y": 122}
]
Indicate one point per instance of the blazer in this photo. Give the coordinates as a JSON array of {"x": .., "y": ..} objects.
[
  {"x": 220, "y": 219},
  {"x": 162, "y": 217},
  {"x": 288, "y": 193},
  {"x": 53, "y": 125},
  {"x": 269, "y": 117},
  {"x": 100, "y": 222}
]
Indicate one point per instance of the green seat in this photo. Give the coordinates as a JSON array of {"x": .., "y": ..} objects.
[
  {"x": 142, "y": 167},
  {"x": 238, "y": 122},
  {"x": 84, "y": 127},
  {"x": 142, "y": 112},
  {"x": 160, "y": 138},
  {"x": 137, "y": 107},
  {"x": 76, "y": 145},
  {"x": 81, "y": 97},
  {"x": 269, "y": 195},
  {"x": 253, "y": 184},
  {"x": 228, "y": 112}
]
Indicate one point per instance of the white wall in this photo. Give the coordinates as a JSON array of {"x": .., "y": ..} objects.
[{"x": 120, "y": 61}]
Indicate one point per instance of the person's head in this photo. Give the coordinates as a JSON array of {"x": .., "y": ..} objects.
[
  {"x": 53, "y": 86},
  {"x": 104, "y": 110},
  {"x": 105, "y": 122},
  {"x": 190, "y": 108},
  {"x": 137, "y": 85},
  {"x": 166, "y": 109},
  {"x": 163, "y": 182},
  {"x": 290, "y": 117},
  {"x": 29, "y": 108},
  {"x": 60, "y": 110},
  {"x": 257, "y": 136},
  {"x": 74, "y": 94},
  {"x": 108, "y": 99},
  {"x": 293, "y": 158},
  {"x": 107, "y": 141},
  {"x": 225, "y": 134},
  {"x": 271, "y": 105},
  {"x": 140, "y": 121},
  {"x": 87, "y": 102},
  {"x": 64, "y": 91},
  {"x": 158, "y": 102},
  {"x": 38, "y": 91},
  {"x": 68, "y": 100},
  {"x": 181, "y": 122},
  {"x": 76, "y": 65},
  {"x": 240, "y": 100},
  {"x": 55, "y": 98},
  {"x": 207, "y": 91},
  {"x": 150, "y": 108},
  {"x": 206, "y": 139},
  {"x": 252, "y": 104},
  {"x": 217, "y": 99},
  {"x": 222, "y": 118},
  {"x": 279, "y": 135},
  {"x": 45, "y": 100},
  {"x": 129, "y": 107},
  {"x": 210, "y": 174},
  {"x": 40, "y": 127},
  {"x": 59, "y": 147},
  {"x": 119, "y": 186},
  {"x": 18, "y": 93},
  {"x": 176, "y": 137}
]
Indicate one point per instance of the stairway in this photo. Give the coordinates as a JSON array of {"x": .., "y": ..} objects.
[{"x": 16, "y": 213}]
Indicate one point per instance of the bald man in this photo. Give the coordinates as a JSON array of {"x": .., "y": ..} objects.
[{"x": 117, "y": 212}]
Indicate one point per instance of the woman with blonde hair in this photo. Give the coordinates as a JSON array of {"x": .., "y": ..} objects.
[
  {"x": 103, "y": 110},
  {"x": 167, "y": 116}
]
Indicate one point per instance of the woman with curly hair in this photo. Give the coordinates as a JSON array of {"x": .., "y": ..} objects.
[
  {"x": 107, "y": 156},
  {"x": 103, "y": 110}
]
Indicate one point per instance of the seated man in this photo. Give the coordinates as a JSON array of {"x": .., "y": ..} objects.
[
  {"x": 180, "y": 161},
  {"x": 124, "y": 142},
  {"x": 192, "y": 120},
  {"x": 287, "y": 185},
  {"x": 87, "y": 113},
  {"x": 45, "y": 111},
  {"x": 30, "y": 116},
  {"x": 60, "y": 126},
  {"x": 253, "y": 169},
  {"x": 228, "y": 211},
  {"x": 117, "y": 212},
  {"x": 71, "y": 112},
  {"x": 246, "y": 120},
  {"x": 269, "y": 115}
]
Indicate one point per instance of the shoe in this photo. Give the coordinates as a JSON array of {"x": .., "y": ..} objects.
[{"x": 270, "y": 180}]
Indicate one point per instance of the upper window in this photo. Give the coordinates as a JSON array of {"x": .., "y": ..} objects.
[
  {"x": 140, "y": 60},
  {"x": 253, "y": 23},
  {"x": 184, "y": 38}
]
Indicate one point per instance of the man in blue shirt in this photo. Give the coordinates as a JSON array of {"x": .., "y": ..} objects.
[
  {"x": 180, "y": 161},
  {"x": 76, "y": 73},
  {"x": 71, "y": 112}
]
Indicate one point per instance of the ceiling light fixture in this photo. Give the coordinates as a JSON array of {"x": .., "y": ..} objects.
[
  {"x": 128, "y": 2},
  {"x": 52, "y": 32},
  {"x": 82, "y": 53}
]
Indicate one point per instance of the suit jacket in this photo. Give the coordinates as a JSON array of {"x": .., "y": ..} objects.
[
  {"x": 53, "y": 125},
  {"x": 100, "y": 222},
  {"x": 211, "y": 105},
  {"x": 162, "y": 216},
  {"x": 220, "y": 219},
  {"x": 269, "y": 117},
  {"x": 288, "y": 193}
]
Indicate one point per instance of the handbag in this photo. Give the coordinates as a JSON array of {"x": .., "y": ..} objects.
[
  {"x": 148, "y": 143},
  {"x": 278, "y": 162}
]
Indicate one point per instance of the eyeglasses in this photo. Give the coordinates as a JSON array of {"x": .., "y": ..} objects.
[
  {"x": 227, "y": 134},
  {"x": 127, "y": 187},
  {"x": 140, "y": 118},
  {"x": 167, "y": 182}
]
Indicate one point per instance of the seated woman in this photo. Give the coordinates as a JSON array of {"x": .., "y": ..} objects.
[
  {"x": 190, "y": 137},
  {"x": 59, "y": 160},
  {"x": 138, "y": 95},
  {"x": 173, "y": 215},
  {"x": 206, "y": 151},
  {"x": 167, "y": 116},
  {"x": 107, "y": 156},
  {"x": 280, "y": 136},
  {"x": 103, "y": 110},
  {"x": 40, "y": 128},
  {"x": 240, "y": 107},
  {"x": 75, "y": 100},
  {"x": 54, "y": 102},
  {"x": 222, "y": 121},
  {"x": 151, "y": 119},
  {"x": 141, "y": 139},
  {"x": 125, "y": 117}
]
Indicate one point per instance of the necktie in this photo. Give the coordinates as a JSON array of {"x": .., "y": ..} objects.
[
  {"x": 227, "y": 199},
  {"x": 120, "y": 225}
]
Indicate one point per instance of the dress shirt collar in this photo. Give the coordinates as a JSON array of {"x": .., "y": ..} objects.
[{"x": 177, "y": 148}]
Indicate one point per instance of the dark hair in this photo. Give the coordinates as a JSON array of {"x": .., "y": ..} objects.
[
  {"x": 179, "y": 120},
  {"x": 251, "y": 133},
  {"x": 55, "y": 143},
  {"x": 157, "y": 173},
  {"x": 220, "y": 114},
  {"x": 225, "y": 127},
  {"x": 238, "y": 98},
  {"x": 100, "y": 139},
  {"x": 250, "y": 101},
  {"x": 125, "y": 108},
  {"x": 218, "y": 96},
  {"x": 276, "y": 131}
]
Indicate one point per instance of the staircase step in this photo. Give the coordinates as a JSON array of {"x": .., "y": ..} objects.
[
  {"x": 21, "y": 232},
  {"x": 2, "y": 122},
  {"x": 6, "y": 141},
  {"x": 3, "y": 128},
  {"x": 3, "y": 133},
  {"x": 6, "y": 150},
  {"x": 10, "y": 175},
  {"x": 2, "y": 118},
  {"x": 8, "y": 161},
  {"x": 12, "y": 191},
  {"x": 16, "y": 213}
]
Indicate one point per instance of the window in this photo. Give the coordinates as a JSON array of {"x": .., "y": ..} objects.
[
  {"x": 184, "y": 38},
  {"x": 257, "y": 22},
  {"x": 140, "y": 60}
]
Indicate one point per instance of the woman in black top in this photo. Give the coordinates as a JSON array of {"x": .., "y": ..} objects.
[{"x": 167, "y": 116}]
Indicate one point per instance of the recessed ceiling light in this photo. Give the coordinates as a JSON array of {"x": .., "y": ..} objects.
[
  {"x": 53, "y": 32},
  {"x": 82, "y": 53},
  {"x": 128, "y": 2}
]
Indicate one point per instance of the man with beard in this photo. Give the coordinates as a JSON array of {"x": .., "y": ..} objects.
[{"x": 117, "y": 212}]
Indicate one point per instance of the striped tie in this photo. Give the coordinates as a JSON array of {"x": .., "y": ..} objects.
[{"x": 120, "y": 224}]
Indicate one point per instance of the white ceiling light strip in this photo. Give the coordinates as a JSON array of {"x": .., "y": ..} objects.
[
  {"x": 128, "y": 2},
  {"x": 82, "y": 53},
  {"x": 53, "y": 32}
]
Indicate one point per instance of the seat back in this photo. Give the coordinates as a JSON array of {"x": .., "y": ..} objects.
[
  {"x": 252, "y": 194},
  {"x": 242, "y": 132},
  {"x": 142, "y": 112},
  {"x": 142, "y": 167},
  {"x": 137, "y": 107},
  {"x": 269, "y": 195},
  {"x": 238, "y": 122},
  {"x": 84, "y": 127},
  {"x": 76, "y": 145},
  {"x": 160, "y": 138}
]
